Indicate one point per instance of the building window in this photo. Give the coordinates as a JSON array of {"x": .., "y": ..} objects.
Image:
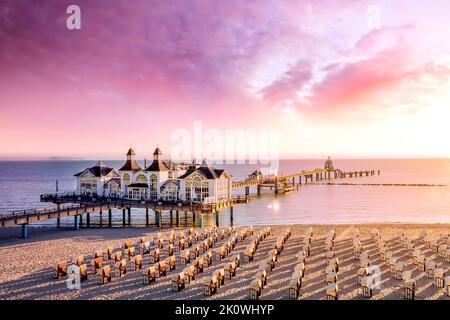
[
  {"x": 88, "y": 186},
  {"x": 126, "y": 179},
  {"x": 141, "y": 178},
  {"x": 153, "y": 187},
  {"x": 197, "y": 189}
]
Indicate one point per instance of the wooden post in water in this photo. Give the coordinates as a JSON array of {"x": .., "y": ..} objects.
[
  {"x": 247, "y": 190},
  {"x": 24, "y": 231},
  {"x": 201, "y": 220},
  {"x": 231, "y": 215},
  {"x": 75, "y": 222},
  {"x": 177, "y": 218},
  {"x": 123, "y": 217},
  {"x": 147, "y": 218},
  {"x": 158, "y": 218},
  {"x": 217, "y": 218},
  {"x": 100, "y": 217},
  {"x": 88, "y": 219},
  {"x": 58, "y": 220},
  {"x": 110, "y": 218},
  {"x": 129, "y": 216}
]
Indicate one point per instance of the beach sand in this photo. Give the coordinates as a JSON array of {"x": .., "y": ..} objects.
[{"x": 26, "y": 265}]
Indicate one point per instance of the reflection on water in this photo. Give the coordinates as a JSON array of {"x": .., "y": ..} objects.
[{"x": 21, "y": 183}]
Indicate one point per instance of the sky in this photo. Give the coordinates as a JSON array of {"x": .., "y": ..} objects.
[{"x": 341, "y": 78}]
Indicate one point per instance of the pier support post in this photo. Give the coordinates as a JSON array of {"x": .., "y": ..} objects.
[
  {"x": 258, "y": 189},
  {"x": 123, "y": 217},
  {"x": 201, "y": 220},
  {"x": 378, "y": 172},
  {"x": 146, "y": 217},
  {"x": 158, "y": 218},
  {"x": 193, "y": 216},
  {"x": 217, "y": 219},
  {"x": 100, "y": 217},
  {"x": 58, "y": 222},
  {"x": 25, "y": 231},
  {"x": 75, "y": 222},
  {"x": 300, "y": 180},
  {"x": 177, "y": 218},
  {"x": 129, "y": 216},
  {"x": 110, "y": 218},
  {"x": 276, "y": 189},
  {"x": 231, "y": 215},
  {"x": 247, "y": 190},
  {"x": 88, "y": 219}
]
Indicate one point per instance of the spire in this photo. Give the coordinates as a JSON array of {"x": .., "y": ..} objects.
[
  {"x": 130, "y": 164},
  {"x": 157, "y": 153},
  {"x": 130, "y": 153}
]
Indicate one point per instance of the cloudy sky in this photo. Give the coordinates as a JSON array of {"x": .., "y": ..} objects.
[{"x": 336, "y": 77}]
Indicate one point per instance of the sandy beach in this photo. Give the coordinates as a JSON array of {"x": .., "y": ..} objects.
[{"x": 27, "y": 265}]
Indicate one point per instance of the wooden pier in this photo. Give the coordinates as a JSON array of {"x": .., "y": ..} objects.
[{"x": 72, "y": 205}]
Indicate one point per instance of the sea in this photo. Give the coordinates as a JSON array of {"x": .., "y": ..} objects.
[{"x": 406, "y": 190}]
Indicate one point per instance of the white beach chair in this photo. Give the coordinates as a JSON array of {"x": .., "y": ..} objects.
[
  {"x": 331, "y": 277},
  {"x": 366, "y": 284},
  {"x": 447, "y": 285},
  {"x": 439, "y": 275},
  {"x": 399, "y": 267},
  {"x": 332, "y": 291},
  {"x": 391, "y": 263},
  {"x": 429, "y": 268},
  {"x": 409, "y": 289},
  {"x": 421, "y": 260}
]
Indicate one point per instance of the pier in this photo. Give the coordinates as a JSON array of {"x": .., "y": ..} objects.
[{"x": 81, "y": 207}]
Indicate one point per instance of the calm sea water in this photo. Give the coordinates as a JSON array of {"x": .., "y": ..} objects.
[{"x": 21, "y": 183}]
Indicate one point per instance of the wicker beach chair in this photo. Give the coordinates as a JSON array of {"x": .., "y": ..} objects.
[
  {"x": 97, "y": 264},
  {"x": 178, "y": 282},
  {"x": 144, "y": 247},
  {"x": 447, "y": 285},
  {"x": 439, "y": 276},
  {"x": 121, "y": 268},
  {"x": 210, "y": 287},
  {"x": 154, "y": 255},
  {"x": 409, "y": 289},
  {"x": 220, "y": 275},
  {"x": 105, "y": 275},
  {"x": 332, "y": 291},
  {"x": 429, "y": 268},
  {"x": 366, "y": 285},
  {"x": 255, "y": 289}
]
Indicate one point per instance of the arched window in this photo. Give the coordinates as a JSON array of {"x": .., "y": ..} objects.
[
  {"x": 141, "y": 178},
  {"x": 126, "y": 179},
  {"x": 153, "y": 187}
]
